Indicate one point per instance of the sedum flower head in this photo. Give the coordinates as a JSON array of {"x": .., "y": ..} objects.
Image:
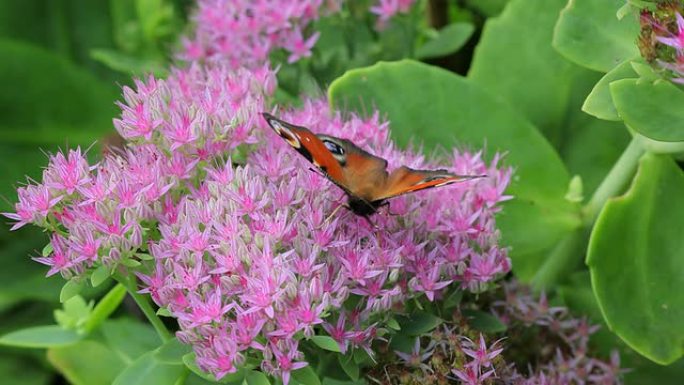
[{"x": 662, "y": 38}]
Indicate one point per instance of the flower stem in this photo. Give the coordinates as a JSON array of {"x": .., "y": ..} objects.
[
  {"x": 145, "y": 306},
  {"x": 614, "y": 182}
]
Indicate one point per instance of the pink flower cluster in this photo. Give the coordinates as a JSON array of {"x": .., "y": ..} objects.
[
  {"x": 248, "y": 264},
  {"x": 98, "y": 214},
  {"x": 242, "y": 33},
  {"x": 668, "y": 33}
]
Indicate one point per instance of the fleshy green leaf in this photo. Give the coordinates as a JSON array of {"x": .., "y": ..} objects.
[
  {"x": 40, "y": 337},
  {"x": 306, "y": 376},
  {"x": 86, "y": 363},
  {"x": 418, "y": 323},
  {"x": 589, "y": 33},
  {"x": 536, "y": 79},
  {"x": 70, "y": 289},
  {"x": 130, "y": 338},
  {"x": 106, "y": 306},
  {"x": 256, "y": 377},
  {"x": 148, "y": 371},
  {"x": 99, "y": 275},
  {"x": 349, "y": 366},
  {"x": 443, "y": 109},
  {"x": 652, "y": 109},
  {"x": 449, "y": 40},
  {"x": 483, "y": 321},
  {"x": 326, "y": 342},
  {"x": 599, "y": 103},
  {"x": 636, "y": 259},
  {"x": 18, "y": 370},
  {"x": 172, "y": 352}
]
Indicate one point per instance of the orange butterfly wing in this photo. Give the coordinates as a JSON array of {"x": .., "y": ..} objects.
[
  {"x": 405, "y": 180},
  {"x": 311, "y": 147}
]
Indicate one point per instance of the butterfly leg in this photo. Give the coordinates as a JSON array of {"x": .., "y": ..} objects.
[
  {"x": 387, "y": 204},
  {"x": 332, "y": 214}
]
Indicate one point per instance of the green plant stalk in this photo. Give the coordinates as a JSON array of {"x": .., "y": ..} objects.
[
  {"x": 615, "y": 181},
  {"x": 145, "y": 307},
  {"x": 565, "y": 256}
]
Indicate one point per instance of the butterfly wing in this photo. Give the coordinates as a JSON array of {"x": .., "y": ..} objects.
[
  {"x": 311, "y": 147},
  {"x": 405, "y": 180}
]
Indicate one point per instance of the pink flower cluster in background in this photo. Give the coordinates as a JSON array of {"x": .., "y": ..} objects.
[
  {"x": 242, "y": 33},
  {"x": 665, "y": 28}
]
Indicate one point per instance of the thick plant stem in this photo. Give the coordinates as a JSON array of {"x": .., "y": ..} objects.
[
  {"x": 565, "y": 257},
  {"x": 145, "y": 307},
  {"x": 615, "y": 181}
]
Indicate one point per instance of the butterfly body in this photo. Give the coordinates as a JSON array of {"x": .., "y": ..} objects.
[{"x": 362, "y": 175}]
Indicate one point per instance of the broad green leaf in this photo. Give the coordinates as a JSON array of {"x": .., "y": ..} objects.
[
  {"x": 599, "y": 103},
  {"x": 256, "y": 377},
  {"x": 17, "y": 370},
  {"x": 130, "y": 338},
  {"x": 442, "y": 109},
  {"x": 106, "y": 306},
  {"x": 75, "y": 313},
  {"x": 350, "y": 367},
  {"x": 172, "y": 352},
  {"x": 70, "y": 289},
  {"x": 332, "y": 381},
  {"x": 306, "y": 376},
  {"x": 449, "y": 40},
  {"x": 40, "y": 93},
  {"x": 488, "y": 7},
  {"x": 148, "y": 371},
  {"x": 483, "y": 321},
  {"x": 636, "y": 259},
  {"x": 652, "y": 109},
  {"x": 589, "y": 33},
  {"x": 326, "y": 342},
  {"x": 536, "y": 80},
  {"x": 99, "y": 275},
  {"x": 40, "y": 337},
  {"x": 130, "y": 63},
  {"x": 418, "y": 323},
  {"x": 86, "y": 363}
]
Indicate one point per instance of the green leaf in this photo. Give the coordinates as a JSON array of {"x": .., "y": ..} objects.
[
  {"x": 306, "y": 376},
  {"x": 419, "y": 323},
  {"x": 652, "y": 109},
  {"x": 130, "y": 63},
  {"x": 130, "y": 338},
  {"x": 172, "y": 352},
  {"x": 86, "y": 363},
  {"x": 256, "y": 377},
  {"x": 483, "y": 321},
  {"x": 76, "y": 312},
  {"x": 443, "y": 109},
  {"x": 40, "y": 90},
  {"x": 599, "y": 103},
  {"x": 17, "y": 370},
  {"x": 350, "y": 367},
  {"x": 105, "y": 307},
  {"x": 636, "y": 259},
  {"x": 70, "y": 289},
  {"x": 449, "y": 40},
  {"x": 99, "y": 275},
  {"x": 589, "y": 33},
  {"x": 393, "y": 324},
  {"x": 40, "y": 337},
  {"x": 327, "y": 343},
  {"x": 536, "y": 79},
  {"x": 148, "y": 371}
]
